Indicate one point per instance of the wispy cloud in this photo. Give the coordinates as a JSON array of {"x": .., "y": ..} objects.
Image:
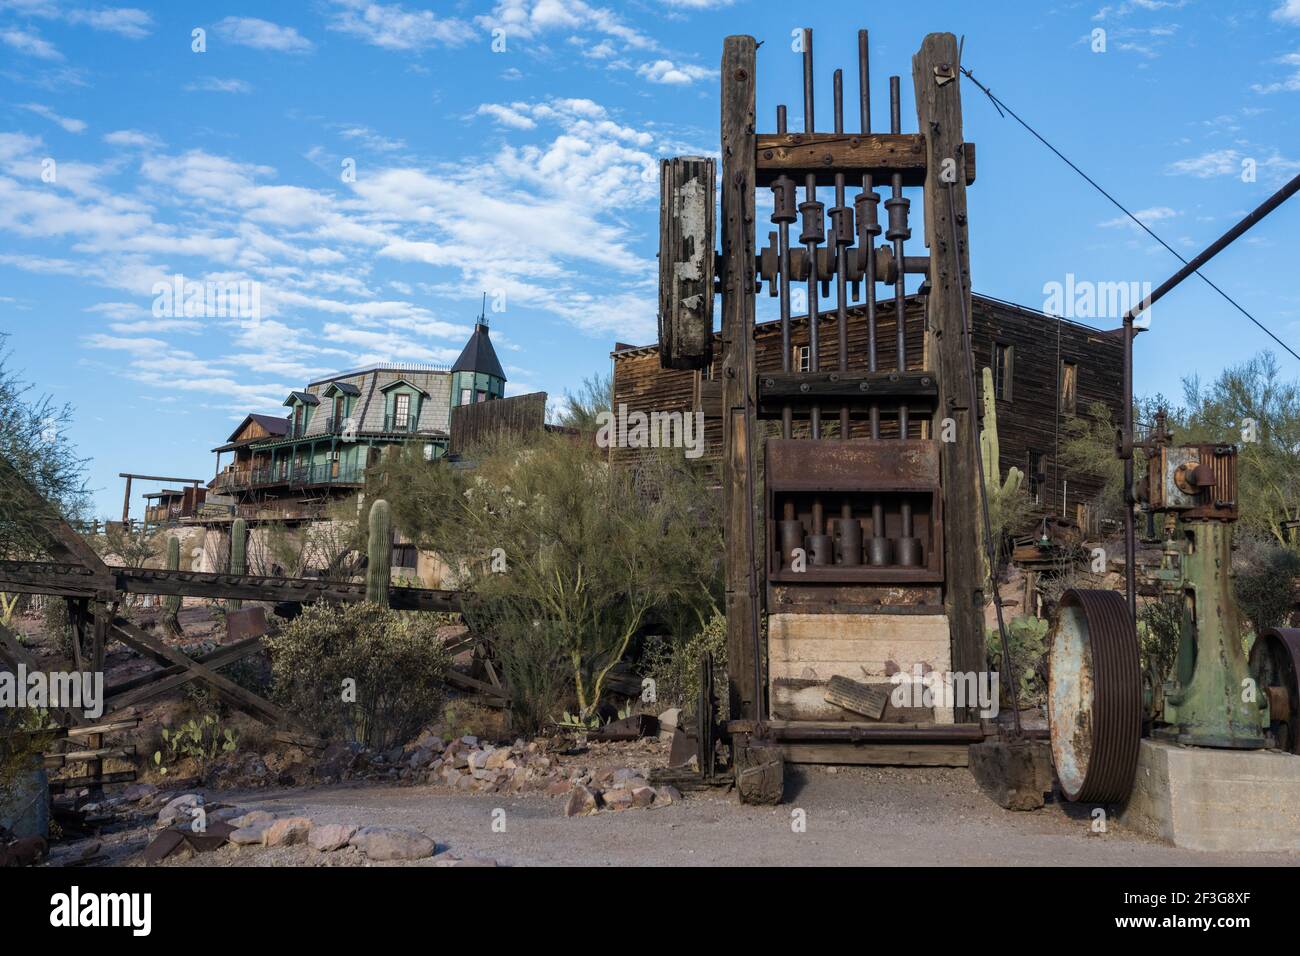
[
  {"x": 394, "y": 28},
  {"x": 70, "y": 125},
  {"x": 217, "y": 84},
  {"x": 684, "y": 74},
  {"x": 30, "y": 43},
  {"x": 262, "y": 35}
]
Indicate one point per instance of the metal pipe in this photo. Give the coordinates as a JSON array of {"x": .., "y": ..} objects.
[
  {"x": 900, "y": 291},
  {"x": 1126, "y": 444},
  {"x": 810, "y": 187},
  {"x": 841, "y": 262},
  {"x": 783, "y": 232}
]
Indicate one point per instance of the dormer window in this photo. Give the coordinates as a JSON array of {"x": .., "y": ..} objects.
[{"x": 401, "y": 410}]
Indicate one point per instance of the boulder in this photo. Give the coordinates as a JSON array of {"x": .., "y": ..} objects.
[
  {"x": 392, "y": 843},
  {"x": 331, "y": 836},
  {"x": 251, "y": 819},
  {"x": 582, "y": 801},
  {"x": 252, "y": 835},
  {"x": 643, "y": 796},
  {"x": 617, "y": 799},
  {"x": 139, "y": 791},
  {"x": 287, "y": 832},
  {"x": 179, "y": 809},
  {"x": 667, "y": 796}
]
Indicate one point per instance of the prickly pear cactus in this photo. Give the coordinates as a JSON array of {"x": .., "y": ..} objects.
[
  {"x": 379, "y": 568},
  {"x": 238, "y": 559}
]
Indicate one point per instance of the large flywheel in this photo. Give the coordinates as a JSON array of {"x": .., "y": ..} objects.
[
  {"x": 1094, "y": 696},
  {"x": 1275, "y": 666}
]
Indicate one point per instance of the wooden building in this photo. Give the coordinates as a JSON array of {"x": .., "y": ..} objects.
[{"x": 1045, "y": 369}]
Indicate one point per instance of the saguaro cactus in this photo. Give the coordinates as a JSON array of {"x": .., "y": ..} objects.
[
  {"x": 379, "y": 568},
  {"x": 172, "y": 603},
  {"x": 238, "y": 555},
  {"x": 998, "y": 489}
]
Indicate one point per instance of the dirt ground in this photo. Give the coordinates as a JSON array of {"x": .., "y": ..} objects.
[{"x": 858, "y": 816}]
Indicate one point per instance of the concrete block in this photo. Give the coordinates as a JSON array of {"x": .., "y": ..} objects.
[{"x": 1202, "y": 799}]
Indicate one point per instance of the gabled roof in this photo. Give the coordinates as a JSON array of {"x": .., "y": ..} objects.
[
  {"x": 344, "y": 388},
  {"x": 273, "y": 424},
  {"x": 402, "y": 381},
  {"x": 479, "y": 355},
  {"x": 307, "y": 398}
]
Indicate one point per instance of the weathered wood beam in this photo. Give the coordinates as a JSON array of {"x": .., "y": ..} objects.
[
  {"x": 738, "y": 183},
  {"x": 855, "y": 155},
  {"x": 37, "y": 577},
  {"x": 63, "y": 542},
  {"x": 938, "y": 111}
]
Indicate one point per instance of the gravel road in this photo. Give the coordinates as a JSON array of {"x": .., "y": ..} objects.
[{"x": 854, "y": 816}]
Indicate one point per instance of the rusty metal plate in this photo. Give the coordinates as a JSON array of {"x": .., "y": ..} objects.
[
  {"x": 245, "y": 623},
  {"x": 795, "y": 464},
  {"x": 1275, "y": 666}
]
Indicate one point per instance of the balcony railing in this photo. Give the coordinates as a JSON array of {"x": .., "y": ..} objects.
[{"x": 399, "y": 425}]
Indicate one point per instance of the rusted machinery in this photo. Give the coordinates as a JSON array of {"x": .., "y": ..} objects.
[
  {"x": 1213, "y": 696},
  {"x": 864, "y": 525}
]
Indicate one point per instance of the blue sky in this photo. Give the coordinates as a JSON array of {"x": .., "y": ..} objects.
[{"x": 531, "y": 173}]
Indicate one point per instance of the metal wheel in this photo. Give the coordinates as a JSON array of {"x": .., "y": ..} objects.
[
  {"x": 1275, "y": 664},
  {"x": 1094, "y": 696}
]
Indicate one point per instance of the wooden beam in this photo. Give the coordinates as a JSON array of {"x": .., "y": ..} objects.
[
  {"x": 854, "y": 154},
  {"x": 879, "y": 755},
  {"x": 63, "y": 542},
  {"x": 254, "y": 705},
  {"x": 738, "y": 183},
  {"x": 938, "y": 112}
]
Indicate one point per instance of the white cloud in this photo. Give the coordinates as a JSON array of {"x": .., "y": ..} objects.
[
  {"x": 125, "y": 21},
  {"x": 665, "y": 71},
  {"x": 262, "y": 35},
  {"x": 133, "y": 138},
  {"x": 1288, "y": 12},
  {"x": 372, "y": 140},
  {"x": 1230, "y": 162},
  {"x": 216, "y": 84},
  {"x": 1289, "y": 85},
  {"x": 528, "y": 19},
  {"x": 506, "y": 115},
  {"x": 394, "y": 28},
  {"x": 29, "y": 43},
  {"x": 1147, "y": 216},
  {"x": 70, "y": 125}
]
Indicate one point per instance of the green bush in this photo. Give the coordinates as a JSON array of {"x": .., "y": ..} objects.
[
  {"x": 1159, "y": 628},
  {"x": 675, "y": 667},
  {"x": 1265, "y": 576},
  {"x": 394, "y": 662}
]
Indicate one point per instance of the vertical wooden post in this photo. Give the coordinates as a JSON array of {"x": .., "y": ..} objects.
[
  {"x": 937, "y": 81},
  {"x": 737, "y": 271},
  {"x": 126, "y": 501}
]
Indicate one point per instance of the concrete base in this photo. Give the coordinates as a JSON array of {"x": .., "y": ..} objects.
[{"x": 1202, "y": 799}]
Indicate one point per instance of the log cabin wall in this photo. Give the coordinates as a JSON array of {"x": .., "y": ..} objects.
[{"x": 1027, "y": 419}]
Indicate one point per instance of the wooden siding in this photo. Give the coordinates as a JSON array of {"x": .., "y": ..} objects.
[
  {"x": 1026, "y": 422},
  {"x": 481, "y": 421}
]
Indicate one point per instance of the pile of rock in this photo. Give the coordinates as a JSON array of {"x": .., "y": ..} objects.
[{"x": 623, "y": 789}]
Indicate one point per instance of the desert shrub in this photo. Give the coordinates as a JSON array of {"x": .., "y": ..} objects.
[
  {"x": 201, "y": 739},
  {"x": 23, "y": 738},
  {"x": 57, "y": 625},
  {"x": 361, "y": 672},
  {"x": 1265, "y": 581},
  {"x": 533, "y": 663},
  {"x": 1027, "y": 637},
  {"x": 675, "y": 666},
  {"x": 1160, "y": 625}
]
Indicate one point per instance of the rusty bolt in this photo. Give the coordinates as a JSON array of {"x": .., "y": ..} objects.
[
  {"x": 863, "y": 386},
  {"x": 827, "y": 159},
  {"x": 803, "y": 387},
  {"x": 767, "y": 154}
]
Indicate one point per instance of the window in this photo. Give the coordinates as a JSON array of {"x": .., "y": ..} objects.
[
  {"x": 1002, "y": 371},
  {"x": 401, "y": 411},
  {"x": 338, "y": 410},
  {"x": 802, "y": 362},
  {"x": 465, "y": 395},
  {"x": 297, "y": 421},
  {"x": 1069, "y": 388},
  {"x": 480, "y": 396},
  {"x": 1036, "y": 473},
  {"x": 404, "y": 556}
]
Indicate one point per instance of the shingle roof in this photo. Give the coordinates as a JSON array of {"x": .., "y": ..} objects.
[{"x": 479, "y": 355}]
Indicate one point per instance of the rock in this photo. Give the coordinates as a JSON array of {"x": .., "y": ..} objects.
[
  {"x": 478, "y": 759},
  {"x": 557, "y": 789},
  {"x": 617, "y": 799},
  {"x": 179, "y": 809},
  {"x": 460, "y": 761},
  {"x": 497, "y": 759},
  {"x": 139, "y": 791},
  {"x": 252, "y": 835},
  {"x": 288, "y": 831},
  {"x": 251, "y": 819},
  {"x": 582, "y": 802},
  {"x": 445, "y": 858},
  {"x": 632, "y": 783},
  {"x": 420, "y": 758},
  {"x": 668, "y": 722},
  {"x": 330, "y": 836},
  {"x": 392, "y": 843},
  {"x": 667, "y": 796},
  {"x": 225, "y": 814},
  {"x": 643, "y": 796},
  {"x": 469, "y": 740},
  {"x": 475, "y": 861}
]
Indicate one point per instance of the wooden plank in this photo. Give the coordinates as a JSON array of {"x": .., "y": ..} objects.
[
  {"x": 879, "y": 755},
  {"x": 146, "y": 643},
  {"x": 742, "y": 557},
  {"x": 938, "y": 112},
  {"x": 148, "y": 686},
  {"x": 687, "y": 196},
  {"x": 869, "y": 700},
  {"x": 854, "y": 154},
  {"x": 12, "y": 650},
  {"x": 64, "y": 543}
]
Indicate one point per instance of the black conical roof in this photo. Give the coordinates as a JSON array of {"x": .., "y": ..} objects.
[{"x": 479, "y": 355}]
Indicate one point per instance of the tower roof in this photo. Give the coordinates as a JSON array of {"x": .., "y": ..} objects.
[{"x": 479, "y": 355}]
